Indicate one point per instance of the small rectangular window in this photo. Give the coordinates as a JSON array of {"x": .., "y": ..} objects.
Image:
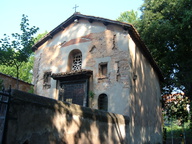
[
  {"x": 47, "y": 80},
  {"x": 103, "y": 69}
]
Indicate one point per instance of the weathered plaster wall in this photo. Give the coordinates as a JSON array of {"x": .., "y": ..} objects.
[
  {"x": 98, "y": 43},
  {"x": 39, "y": 120},
  {"x": 145, "y": 105}
]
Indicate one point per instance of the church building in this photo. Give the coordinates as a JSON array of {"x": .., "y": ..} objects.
[{"x": 101, "y": 64}]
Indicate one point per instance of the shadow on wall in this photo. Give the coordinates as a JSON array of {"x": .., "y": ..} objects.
[
  {"x": 146, "y": 118},
  {"x": 34, "y": 119}
]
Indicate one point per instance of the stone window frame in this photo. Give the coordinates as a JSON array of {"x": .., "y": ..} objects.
[
  {"x": 103, "y": 102},
  {"x": 77, "y": 62},
  {"x": 103, "y": 70},
  {"x": 75, "y": 56},
  {"x": 47, "y": 80}
]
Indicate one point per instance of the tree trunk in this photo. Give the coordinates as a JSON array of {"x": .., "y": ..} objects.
[{"x": 17, "y": 67}]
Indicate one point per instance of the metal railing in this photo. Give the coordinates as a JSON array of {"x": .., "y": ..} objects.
[{"x": 4, "y": 104}]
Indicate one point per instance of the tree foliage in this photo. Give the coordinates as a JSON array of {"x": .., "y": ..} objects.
[
  {"x": 16, "y": 49},
  {"x": 26, "y": 69},
  {"x": 129, "y": 17},
  {"x": 175, "y": 106},
  {"x": 165, "y": 27},
  {"x": 40, "y": 36}
]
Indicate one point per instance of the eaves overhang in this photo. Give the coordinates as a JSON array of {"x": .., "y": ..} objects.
[
  {"x": 83, "y": 73},
  {"x": 77, "y": 16}
]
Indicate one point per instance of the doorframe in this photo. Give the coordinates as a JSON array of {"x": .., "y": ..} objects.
[{"x": 86, "y": 81}]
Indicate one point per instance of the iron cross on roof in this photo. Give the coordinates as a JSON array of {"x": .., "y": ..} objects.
[{"x": 75, "y": 7}]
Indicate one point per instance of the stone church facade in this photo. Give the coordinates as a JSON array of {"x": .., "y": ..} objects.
[{"x": 102, "y": 64}]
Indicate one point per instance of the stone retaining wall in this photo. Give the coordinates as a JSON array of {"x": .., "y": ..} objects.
[{"x": 38, "y": 120}]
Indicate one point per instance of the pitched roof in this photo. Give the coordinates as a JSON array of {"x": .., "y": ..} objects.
[{"x": 132, "y": 31}]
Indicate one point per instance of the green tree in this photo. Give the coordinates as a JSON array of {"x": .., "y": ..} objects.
[
  {"x": 17, "y": 49},
  {"x": 129, "y": 17},
  {"x": 40, "y": 36},
  {"x": 176, "y": 107},
  {"x": 166, "y": 29},
  {"x": 26, "y": 68}
]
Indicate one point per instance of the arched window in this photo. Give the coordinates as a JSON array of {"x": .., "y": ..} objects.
[
  {"x": 103, "y": 102},
  {"x": 74, "y": 60}
]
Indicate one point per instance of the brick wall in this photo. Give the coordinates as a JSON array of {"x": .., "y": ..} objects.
[{"x": 9, "y": 80}]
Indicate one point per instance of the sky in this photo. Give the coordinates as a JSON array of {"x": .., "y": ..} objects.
[{"x": 47, "y": 14}]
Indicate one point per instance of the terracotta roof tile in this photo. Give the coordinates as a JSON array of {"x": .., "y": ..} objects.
[{"x": 72, "y": 73}]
